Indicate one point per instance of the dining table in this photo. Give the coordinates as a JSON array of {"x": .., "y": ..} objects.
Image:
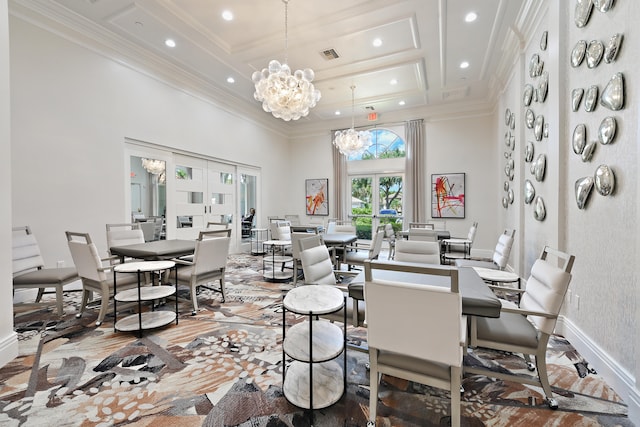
[
  {"x": 339, "y": 241},
  {"x": 440, "y": 234},
  {"x": 157, "y": 250},
  {"x": 477, "y": 298}
]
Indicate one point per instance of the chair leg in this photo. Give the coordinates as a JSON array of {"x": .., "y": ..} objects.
[
  {"x": 104, "y": 305},
  {"x": 456, "y": 373},
  {"x": 374, "y": 381},
  {"x": 194, "y": 299},
  {"x": 541, "y": 365},
  {"x": 83, "y": 302},
  {"x": 222, "y": 289},
  {"x": 59, "y": 297},
  {"x": 40, "y": 293}
]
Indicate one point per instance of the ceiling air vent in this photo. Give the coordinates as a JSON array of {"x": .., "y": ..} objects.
[{"x": 330, "y": 54}]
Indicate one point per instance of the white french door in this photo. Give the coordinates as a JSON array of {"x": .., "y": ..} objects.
[{"x": 205, "y": 192}]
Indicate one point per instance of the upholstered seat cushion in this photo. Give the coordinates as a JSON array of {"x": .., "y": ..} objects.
[
  {"x": 46, "y": 276},
  {"x": 421, "y": 366},
  {"x": 511, "y": 328}
]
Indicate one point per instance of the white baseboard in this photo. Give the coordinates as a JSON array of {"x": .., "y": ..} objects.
[
  {"x": 621, "y": 380},
  {"x": 8, "y": 348}
]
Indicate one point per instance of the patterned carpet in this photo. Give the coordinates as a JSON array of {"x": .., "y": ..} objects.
[{"x": 223, "y": 367}]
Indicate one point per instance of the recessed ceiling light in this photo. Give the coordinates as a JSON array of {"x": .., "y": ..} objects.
[
  {"x": 401, "y": 103},
  {"x": 170, "y": 42},
  {"x": 227, "y": 15},
  {"x": 231, "y": 80},
  {"x": 377, "y": 42},
  {"x": 464, "y": 64},
  {"x": 337, "y": 113},
  {"x": 470, "y": 17},
  {"x": 394, "y": 81}
]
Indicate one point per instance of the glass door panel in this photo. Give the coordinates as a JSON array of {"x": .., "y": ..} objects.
[
  {"x": 362, "y": 205},
  {"x": 387, "y": 200}
]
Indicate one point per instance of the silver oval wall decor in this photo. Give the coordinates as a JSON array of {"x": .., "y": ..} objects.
[
  {"x": 527, "y": 95},
  {"x": 579, "y": 138},
  {"x": 603, "y": 5},
  {"x": 578, "y": 53},
  {"x": 510, "y": 196},
  {"x": 543, "y": 87},
  {"x": 539, "y": 211},
  {"x": 529, "y": 117},
  {"x": 595, "y": 50},
  {"x": 528, "y": 152},
  {"x": 505, "y": 202},
  {"x": 583, "y": 188},
  {"x": 604, "y": 180},
  {"x": 607, "y": 130},
  {"x": 505, "y": 186},
  {"x": 612, "y": 48},
  {"x": 543, "y": 40},
  {"x": 589, "y": 148},
  {"x": 507, "y": 117},
  {"x": 613, "y": 94},
  {"x": 545, "y": 130},
  {"x": 537, "y": 127},
  {"x": 582, "y": 12},
  {"x": 539, "y": 167},
  {"x": 576, "y": 97},
  {"x": 529, "y": 191},
  {"x": 591, "y": 98}
]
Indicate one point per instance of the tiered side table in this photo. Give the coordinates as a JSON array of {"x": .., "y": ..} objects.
[
  {"x": 274, "y": 266},
  {"x": 314, "y": 380},
  {"x": 147, "y": 320}
]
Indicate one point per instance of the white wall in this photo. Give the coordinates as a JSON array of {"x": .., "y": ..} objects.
[
  {"x": 68, "y": 137},
  {"x": 601, "y": 310},
  {"x": 8, "y": 338},
  {"x": 471, "y": 140}
]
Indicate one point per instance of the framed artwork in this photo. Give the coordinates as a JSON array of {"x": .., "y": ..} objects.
[
  {"x": 447, "y": 195},
  {"x": 317, "y": 200}
]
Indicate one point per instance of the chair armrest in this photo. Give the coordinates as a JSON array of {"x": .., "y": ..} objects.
[
  {"x": 181, "y": 261},
  {"x": 506, "y": 288},
  {"x": 524, "y": 312}
]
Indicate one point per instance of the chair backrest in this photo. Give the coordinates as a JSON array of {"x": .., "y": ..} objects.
[
  {"x": 503, "y": 248},
  {"x": 424, "y": 234},
  {"x": 85, "y": 256},
  {"x": 417, "y": 251},
  {"x": 212, "y": 250},
  {"x": 310, "y": 241},
  {"x": 435, "y": 309},
  {"x": 331, "y": 226},
  {"x": 284, "y": 232},
  {"x": 389, "y": 232},
  {"x": 293, "y": 219},
  {"x": 376, "y": 245},
  {"x": 546, "y": 288},
  {"x": 296, "y": 236},
  {"x": 344, "y": 228},
  {"x": 472, "y": 232},
  {"x": 275, "y": 228},
  {"x": 124, "y": 234},
  {"x": 427, "y": 225},
  {"x": 217, "y": 225},
  {"x": 317, "y": 266},
  {"x": 25, "y": 251}
]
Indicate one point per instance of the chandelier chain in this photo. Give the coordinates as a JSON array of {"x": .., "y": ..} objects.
[{"x": 286, "y": 31}]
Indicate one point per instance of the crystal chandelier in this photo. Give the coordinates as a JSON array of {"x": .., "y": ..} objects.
[
  {"x": 351, "y": 142},
  {"x": 287, "y": 96}
]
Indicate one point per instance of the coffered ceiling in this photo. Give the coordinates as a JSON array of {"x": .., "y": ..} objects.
[{"x": 415, "y": 69}]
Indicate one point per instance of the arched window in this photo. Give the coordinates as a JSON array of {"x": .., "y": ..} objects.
[{"x": 386, "y": 144}]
